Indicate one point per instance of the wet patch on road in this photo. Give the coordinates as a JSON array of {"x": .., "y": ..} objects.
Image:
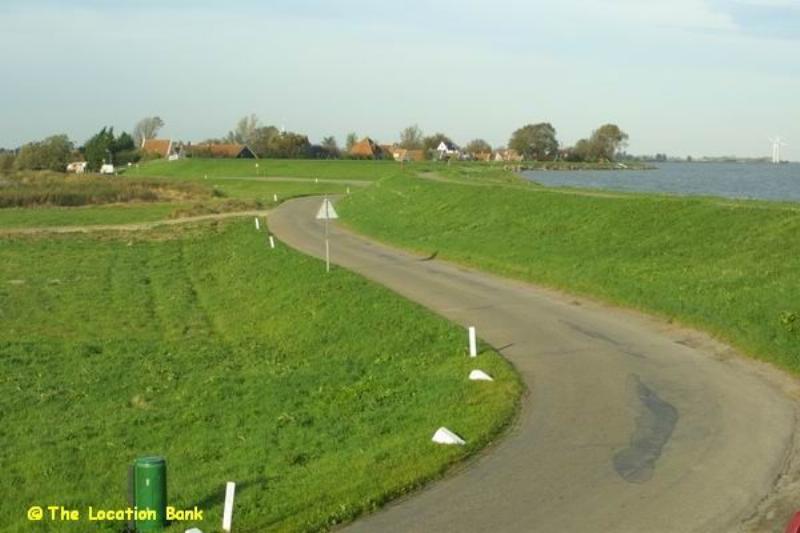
[{"x": 654, "y": 426}]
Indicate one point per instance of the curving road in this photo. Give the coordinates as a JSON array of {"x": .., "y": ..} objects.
[{"x": 630, "y": 424}]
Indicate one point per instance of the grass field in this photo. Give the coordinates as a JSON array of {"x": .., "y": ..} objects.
[
  {"x": 727, "y": 267},
  {"x": 234, "y": 361},
  {"x": 238, "y": 168}
]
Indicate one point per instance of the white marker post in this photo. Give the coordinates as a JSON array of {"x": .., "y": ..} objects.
[
  {"x": 473, "y": 342},
  {"x": 258, "y": 224},
  {"x": 227, "y": 513},
  {"x": 348, "y": 190},
  {"x": 271, "y": 242},
  {"x": 327, "y": 212},
  {"x": 275, "y": 198}
]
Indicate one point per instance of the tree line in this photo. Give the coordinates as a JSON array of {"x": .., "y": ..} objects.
[{"x": 532, "y": 142}]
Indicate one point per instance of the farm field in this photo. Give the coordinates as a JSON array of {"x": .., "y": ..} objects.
[
  {"x": 727, "y": 267},
  {"x": 235, "y": 362}
]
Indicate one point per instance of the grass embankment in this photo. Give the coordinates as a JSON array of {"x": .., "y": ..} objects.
[
  {"x": 730, "y": 268},
  {"x": 317, "y": 393},
  {"x": 239, "y": 168},
  {"x": 473, "y": 173}
]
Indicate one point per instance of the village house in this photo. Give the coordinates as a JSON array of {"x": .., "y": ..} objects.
[
  {"x": 367, "y": 148},
  {"x": 161, "y": 148},
  {"x": 507, "y": 155},
  {"x": 219, "y": 150},
  {"x": 447, "y": 150}
]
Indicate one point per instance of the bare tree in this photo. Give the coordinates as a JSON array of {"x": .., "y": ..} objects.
[
  {"x": 411, "y": 138},
  {"x": 147, "y": 128},
  {"x": 245, "y": 130}
]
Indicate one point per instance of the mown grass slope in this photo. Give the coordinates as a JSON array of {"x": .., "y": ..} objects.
[
  {"x": 195, "y": 168},
  {"x": 728, "y": 267},
  {"x": 317, "y": 393}
]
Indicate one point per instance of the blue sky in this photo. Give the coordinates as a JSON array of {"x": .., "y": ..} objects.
[{"x": 699, "y": 77}]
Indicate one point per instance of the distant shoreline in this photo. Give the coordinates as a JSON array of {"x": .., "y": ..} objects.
[{"x": 573, "y": 166}]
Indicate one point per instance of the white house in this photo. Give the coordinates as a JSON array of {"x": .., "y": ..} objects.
[{"x": 447, "y": 149}]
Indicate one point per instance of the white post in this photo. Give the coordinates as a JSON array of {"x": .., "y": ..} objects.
[
  {"x": 327, "y": 249},
  {"x": 348, "y": 190},
  {"x": 275, "y": 198},
  {"x": 227, "y": 513},
  {"x": 473, "y": 342},
  {"x": 271, "y": 242},
  {"x": 316, "y": 180},
  {"x": 258, "y": 224},
  {"x": 327, "y": 240}
]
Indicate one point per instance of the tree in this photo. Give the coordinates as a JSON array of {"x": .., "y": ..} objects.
[
  {"x": 147, "y": 128},
  {"x": 330, "y": 147},
  {"x": 7, "y": 159},
  {"x": 352, "y": 139},
  {"x": 535, "y": 141},
  {"x": 290, "y": 146},
  {"x": 411, "y": 138},
  {"x": 124, "y": 149},
  {"x": 478, "y": 146},
  {"x": 99, "y": 149},
  {"x": 606, "y": 141},
  {"x": 245, "y": 130},
  {"x": 123, "y": 143},
  {"x": 261, "y": 140},
  {"x": 582, "y": 151},
  {"x": 52, "y": 153}
]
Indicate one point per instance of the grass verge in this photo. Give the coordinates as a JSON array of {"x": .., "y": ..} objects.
[{"x": 317, "y": 393}]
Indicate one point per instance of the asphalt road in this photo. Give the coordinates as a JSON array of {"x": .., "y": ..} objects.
[{"x": 629, "y": 424}]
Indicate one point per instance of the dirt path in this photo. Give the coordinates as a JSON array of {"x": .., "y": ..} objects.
[
  {"x": 135, "y": 226},
  {"x": 630, "y": 424}
]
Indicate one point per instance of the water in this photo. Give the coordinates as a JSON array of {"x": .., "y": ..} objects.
[{"x": 731, "y": 180}]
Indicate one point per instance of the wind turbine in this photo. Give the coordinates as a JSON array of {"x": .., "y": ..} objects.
[{"x": 777, "y": 143}]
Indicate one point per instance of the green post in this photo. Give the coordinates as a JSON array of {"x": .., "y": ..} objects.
[{"x": 150, "y": 491}]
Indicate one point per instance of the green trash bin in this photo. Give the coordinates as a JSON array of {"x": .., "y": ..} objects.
[{"x": 150, "y": 491}]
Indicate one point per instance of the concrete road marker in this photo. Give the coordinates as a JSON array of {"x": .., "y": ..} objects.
[
  {"x": 258, "y": 224},
  {"x": 275, "y": 198},
  {"x": 480, "y": 375},
  {"x": 447, "y": 437},
  {"x": 271, "y": 242},
  {"x": 227, "y": 512},
  {"x": 473, "y": 342}
]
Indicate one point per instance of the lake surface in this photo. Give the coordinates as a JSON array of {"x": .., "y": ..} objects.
[{"x": 761, "y": 181}]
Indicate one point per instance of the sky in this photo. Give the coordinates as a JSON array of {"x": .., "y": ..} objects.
[{"x": 682, "y": 77}]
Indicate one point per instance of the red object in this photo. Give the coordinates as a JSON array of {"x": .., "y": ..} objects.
[{"x": 794, "y": 525}]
